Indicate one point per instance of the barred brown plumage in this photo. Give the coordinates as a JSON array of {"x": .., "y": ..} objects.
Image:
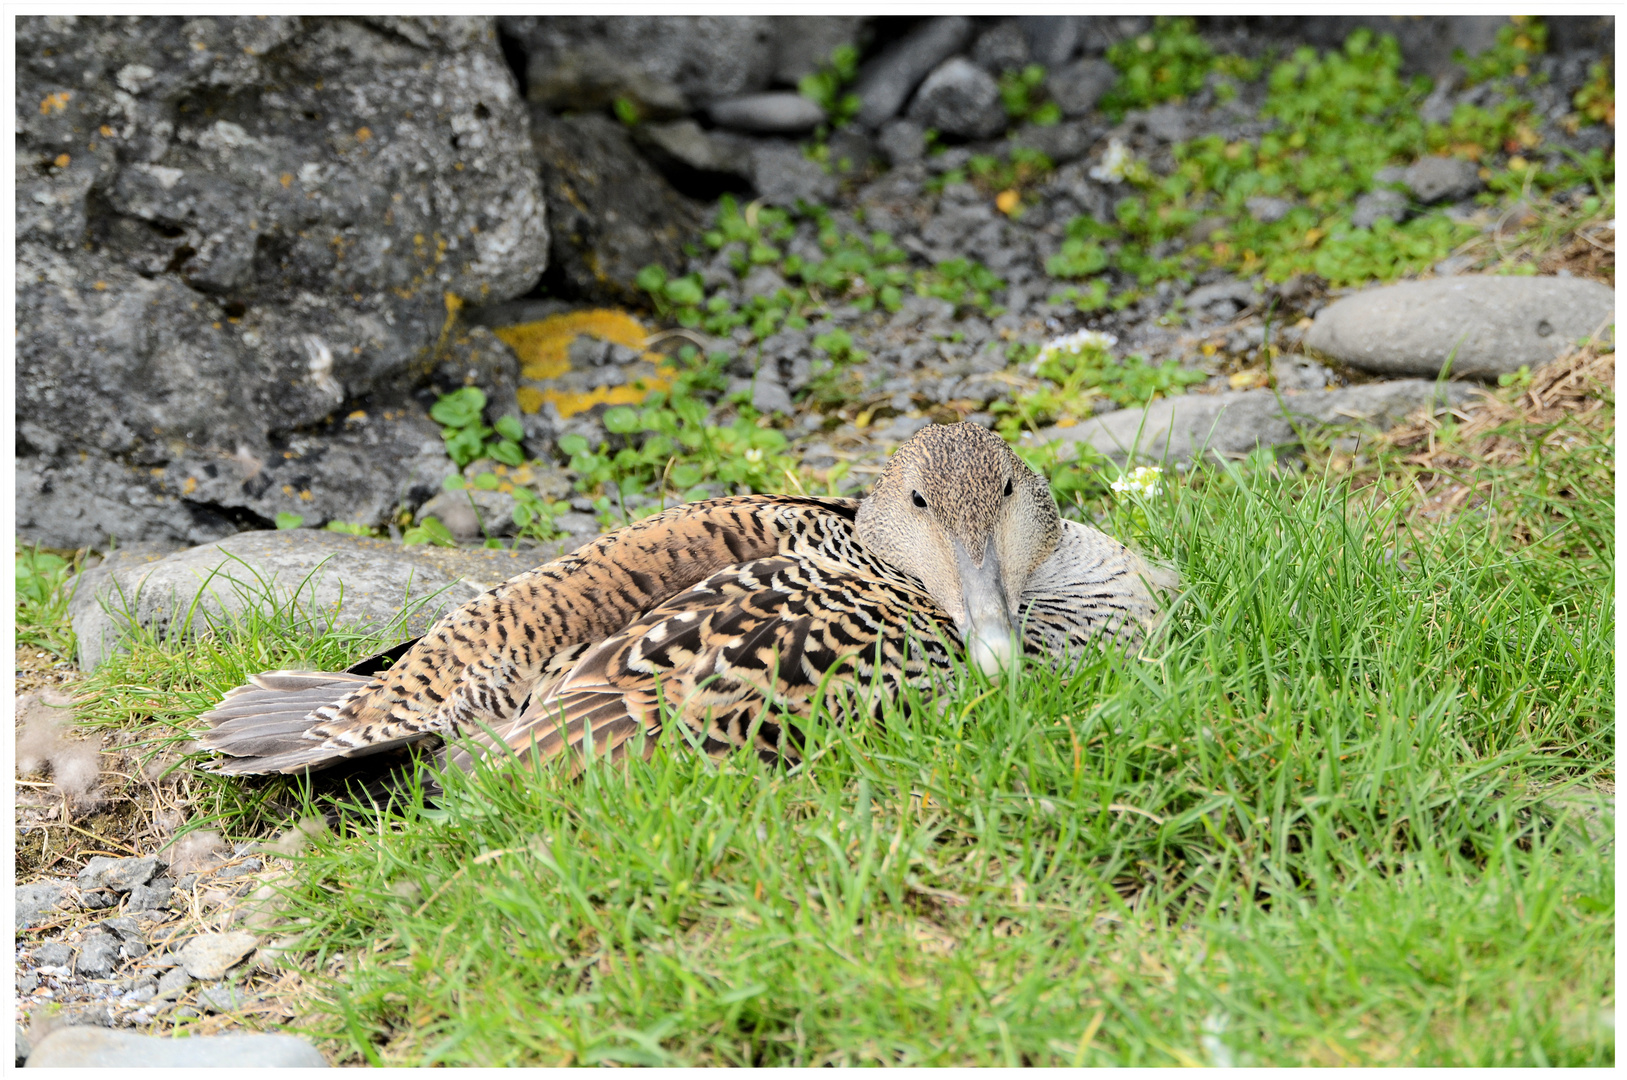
[{"x": 733, "y": 616}]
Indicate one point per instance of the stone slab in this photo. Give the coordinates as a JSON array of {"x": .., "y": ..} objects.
[
  {"x": 356, "y": 582},
  {"x": 1489, "y": 326},
  {"x": 1233, "y": 424}
]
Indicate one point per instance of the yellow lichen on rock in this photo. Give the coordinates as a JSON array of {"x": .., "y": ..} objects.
[
  {"x": 541, "y": 345},
  {"x": 543, "y": 350}
]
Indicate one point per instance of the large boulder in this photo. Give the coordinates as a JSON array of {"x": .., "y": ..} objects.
[
  {"x": 235, "y": 233},
  {"x": 1487, "y": 326},
  {"x": 612, "y": 214}
]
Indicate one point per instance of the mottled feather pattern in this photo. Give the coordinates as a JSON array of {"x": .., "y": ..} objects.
[{"x": 734, "y": 617}]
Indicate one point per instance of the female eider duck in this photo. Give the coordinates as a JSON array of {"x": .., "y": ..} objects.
[{"x": 732, "y": 616}]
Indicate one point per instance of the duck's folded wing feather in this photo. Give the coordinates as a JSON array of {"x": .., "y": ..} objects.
[
  {"x": 738, "y": 659},
  {"x": 481, "y": 662}
]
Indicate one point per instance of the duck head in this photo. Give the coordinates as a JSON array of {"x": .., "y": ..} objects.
[{"x": 956, "y": 509}]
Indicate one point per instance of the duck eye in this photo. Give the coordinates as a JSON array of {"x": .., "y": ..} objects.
[
  {"x": 1009, "y": 488},
  {"x": 918, "y": 499}
]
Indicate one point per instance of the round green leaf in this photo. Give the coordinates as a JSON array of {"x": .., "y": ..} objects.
[{"x": 620, "y": 420}]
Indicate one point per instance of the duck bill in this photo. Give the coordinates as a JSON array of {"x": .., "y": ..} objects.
[{"x": 984, "y": 620}]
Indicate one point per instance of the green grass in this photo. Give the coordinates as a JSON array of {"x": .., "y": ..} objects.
[
  {"x": 1320, "y": 822},
  {"x": 1337, "y": 812}
]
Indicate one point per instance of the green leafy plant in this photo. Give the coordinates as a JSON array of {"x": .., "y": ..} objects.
[
  {"x": 827, "y": 87},
  {"x": 1170, "y": 61},
  {"x": 1080, "y": 368},
  {"x": 626, "y": 111},
  {"x": 429, "y": 531},
  {"x": 286, "y": 520},
  {"x": 1596, "y": 101},
  {"x": 962, "y": 282},
  {"x": 1022, "y": 93},
  {"x": 467, "y": 438},
  {"x": 1519, "y": 41},
  {"x": 42, "y": 600}
]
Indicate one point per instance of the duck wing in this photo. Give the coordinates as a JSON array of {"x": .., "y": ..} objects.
[
  {"x": 738, "y": 659},
  {"x": 476, "y": 667}
]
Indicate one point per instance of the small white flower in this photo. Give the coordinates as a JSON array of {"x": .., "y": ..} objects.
[
  {"x": 754, "y": 455},
  {"x": 1114, "y": 163},
  {"x": 1143, "y": 481},
  {"x": 1075, "y": 344}
]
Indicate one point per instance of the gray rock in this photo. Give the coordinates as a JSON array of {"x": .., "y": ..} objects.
[
  {"x": 98, "y": 956},
  {"x": 1266, "y": 209},
  {"x": 473, "y": 356},
  {"x": 1229, "y": 425},
  {"x": 612, "y": 214},
  {"x": 1494, "y": 324},
  {"x": 1167, "y": 123},
  {"x": 1294, "y": 372},
  {"x": 803, "y": 43},
  {"x": 1064, "y": 142},
  {"x": 210, "y": 286},
  {"x": 1077, "y": 87},
  {"x": 1002, "y": 47},
  {"x": 762, "y": 281},
  {"x": 36, "y": 902},
  {"x": 885, "y": 82},
  {"x": 683, "y": 145},
  {"x": 1453, "y": 265},
  {"x": 242, "y": 869},
  {"x": 1439, "y": 179},
  {"x": 900, "y": 428},
  {"x": 51, "y": 954},
  {"x": 472, "y": 513},
  {"x": 173, "y": 983},
  {"x": 959, "y": 99},
  {"x": 376, "y": 580},
  {"x": 578, "y": 528},
  {"x": 901, "y": 140},
  {"x": 1052, "y": 39},
  {"x": 1381, "y": 203},
  {"x": 120, "y": 875},
  {"x": 148, "y": 898},
  {"x": 852, "y": 145},
  {"x": 782, "y": 175},
  {"x": 1222, "y": 299},
  {"x": 769, "y": 114},
  {"x": 209, "y": 956},
  {"x": 664, "y": 64},
  {"x": 224, "y": 999},
  {"x": 127, "y": 927},
  {"x": 86, "y": 1047},
  {"x": 769, "y": 396}
]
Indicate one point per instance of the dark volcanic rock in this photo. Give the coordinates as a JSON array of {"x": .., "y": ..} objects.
[
  {"x": 1077, "y": 87},
  {"x": 232, "y": 231},
  {"x": 885, "y": 82},
  {"x": 961, "y": 99},
  {"x": 803, "y": 43},
  {"x": 664, "y": 64},
  {"x": 611, "y": 213}
]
